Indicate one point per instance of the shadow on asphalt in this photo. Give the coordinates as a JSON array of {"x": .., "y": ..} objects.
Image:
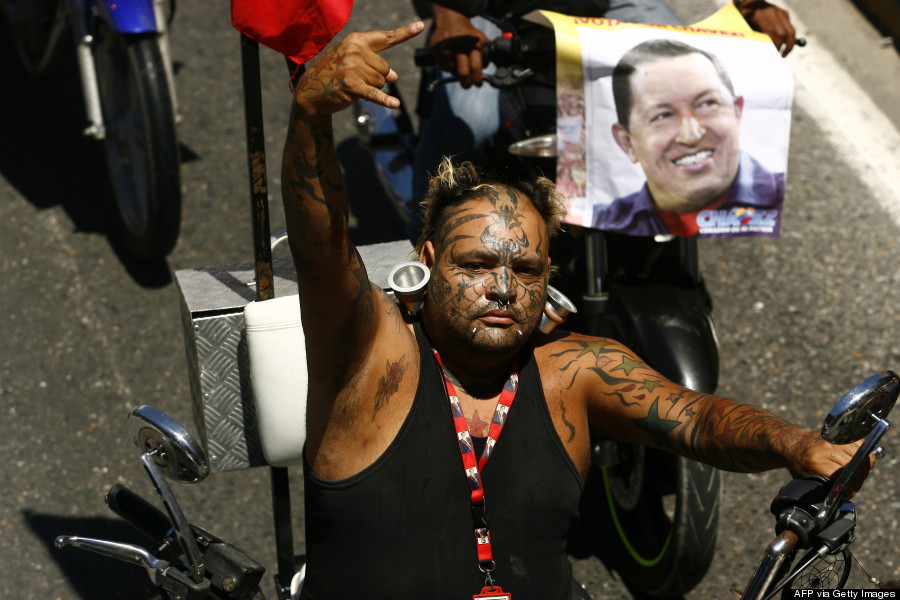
[
  {"x": 50, "y": 163},
  {"x": 93, "y": 577}
]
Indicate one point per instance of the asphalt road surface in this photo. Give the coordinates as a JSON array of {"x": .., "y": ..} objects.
[{"x": 88, "y": 332}]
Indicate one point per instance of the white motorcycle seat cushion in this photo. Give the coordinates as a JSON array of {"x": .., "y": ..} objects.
[{"x": 279, "y": 377}]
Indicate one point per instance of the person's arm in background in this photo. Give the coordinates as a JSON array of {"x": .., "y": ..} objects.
[
  {"x": 771, "y": 20},
  {"x": 456, "y": 44}
]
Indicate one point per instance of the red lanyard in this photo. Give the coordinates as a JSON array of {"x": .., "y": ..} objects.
[{"x": 467, "y": 451}]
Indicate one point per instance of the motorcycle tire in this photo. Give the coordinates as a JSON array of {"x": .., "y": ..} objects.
[
  {"x": 660, "y": 513},
  {"x": 36, "y": 28},
  {"x": 140, "y": 142}
]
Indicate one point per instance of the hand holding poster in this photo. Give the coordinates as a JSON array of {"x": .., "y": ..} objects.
[{"x": 667, "y": 130}]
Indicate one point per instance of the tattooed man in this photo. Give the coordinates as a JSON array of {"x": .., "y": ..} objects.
[{"x": 399, "y": 410}]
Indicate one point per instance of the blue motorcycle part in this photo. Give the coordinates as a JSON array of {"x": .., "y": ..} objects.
[
  {"x": 381, "y": 131},
  {"x": 129, "y": 16}
]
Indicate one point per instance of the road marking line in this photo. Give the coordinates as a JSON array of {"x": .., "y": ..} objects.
[{"x": 862, "y": 135}]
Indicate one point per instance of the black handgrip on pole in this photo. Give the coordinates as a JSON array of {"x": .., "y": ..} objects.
[
  {"x": 145, "y": 517},
  {"x": 256, "y": 158}
]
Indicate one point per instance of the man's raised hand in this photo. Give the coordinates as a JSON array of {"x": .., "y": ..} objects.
[{"x": 352, "y": 69}]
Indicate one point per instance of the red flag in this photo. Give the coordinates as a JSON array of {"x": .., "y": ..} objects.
[{"x": 299, "y": 29}]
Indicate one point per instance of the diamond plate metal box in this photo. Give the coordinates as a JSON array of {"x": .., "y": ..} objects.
[{"x": 212, "y": 311}]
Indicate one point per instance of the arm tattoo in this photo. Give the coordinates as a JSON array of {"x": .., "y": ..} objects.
[
  {"x": 736, "y": 436},
  {"x": 571, "y": 428},
  {"x": 714, "y": 430},
  {"x": 316, "y": 177},
  {"x": 389, "y": 383},
  {"x": 363, "y": 301}
]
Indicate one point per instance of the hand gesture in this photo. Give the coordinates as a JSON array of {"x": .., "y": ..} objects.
[
  {"x": 771, "y": 20},
  {"x": 350, "y": 70}
]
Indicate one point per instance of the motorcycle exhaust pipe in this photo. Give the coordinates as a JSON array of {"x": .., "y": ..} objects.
[
  {"x": 408, "y": 280},
  {"x": 556, "y": 310}
]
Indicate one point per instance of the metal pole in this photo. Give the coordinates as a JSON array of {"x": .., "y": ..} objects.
[
  {"x": 256, "y": 156},
  {"x": 265, "y": 288}
]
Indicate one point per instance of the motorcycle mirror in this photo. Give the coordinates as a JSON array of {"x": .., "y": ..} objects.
[
  {"x": 860, "y": 409},
  {"x": 172, "y": 447}
]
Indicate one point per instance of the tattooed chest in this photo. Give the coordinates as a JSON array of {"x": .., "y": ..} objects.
[{"x": 478, "y": 415}]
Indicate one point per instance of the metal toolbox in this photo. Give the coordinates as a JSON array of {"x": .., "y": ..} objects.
[{"x": 212, "y": 311}]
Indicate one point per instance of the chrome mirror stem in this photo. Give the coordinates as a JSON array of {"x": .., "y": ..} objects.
[{"x": 182, "y": 529}]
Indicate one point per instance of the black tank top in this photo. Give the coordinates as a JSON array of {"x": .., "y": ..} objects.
[{"x": 403, "y": 529}]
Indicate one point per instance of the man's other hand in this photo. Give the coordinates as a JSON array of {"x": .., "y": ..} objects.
[
  {"x": 352, "y": 69},
  {"x": 812, "y": 455}
]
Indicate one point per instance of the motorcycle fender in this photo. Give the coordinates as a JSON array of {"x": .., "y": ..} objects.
[
  {"x": 129, "y": 16},
  {"x": 671, "y": 327}
]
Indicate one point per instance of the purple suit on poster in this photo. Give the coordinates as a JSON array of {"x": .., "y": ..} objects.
[{"x": 752, "y": 207}]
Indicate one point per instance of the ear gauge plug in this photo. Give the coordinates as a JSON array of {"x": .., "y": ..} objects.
[
  {"x": 408, "y": 281},
  {"x": 556, "y": 310}
]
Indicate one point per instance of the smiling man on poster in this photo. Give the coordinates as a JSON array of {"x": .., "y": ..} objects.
[{"x": 678, "y": 117}]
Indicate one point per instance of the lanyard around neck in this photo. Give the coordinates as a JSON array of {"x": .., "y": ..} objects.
[{"x": 473, "y": 469}]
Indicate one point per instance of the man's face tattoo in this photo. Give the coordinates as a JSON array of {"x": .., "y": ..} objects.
[{"x": 491, "y": 269}]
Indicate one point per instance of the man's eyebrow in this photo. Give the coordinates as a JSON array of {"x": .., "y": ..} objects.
[
  {"x": 697, "y": 96},
  {"x": 492, "y": 255},
  {"x": 532, "y": 262},
  {"x": 718, "y": 90},
  {"x": 475, "y": 253}
]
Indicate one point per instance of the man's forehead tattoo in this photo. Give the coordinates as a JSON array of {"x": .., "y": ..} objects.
[
  {"x": 510, "y": 245},
  {"x": 505, "y": 201},
  {"x": 453, "y": 220},
  {"x": 504, "y": 234}
]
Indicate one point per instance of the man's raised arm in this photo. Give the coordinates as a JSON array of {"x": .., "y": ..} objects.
[{"x": 336, "y": 300}]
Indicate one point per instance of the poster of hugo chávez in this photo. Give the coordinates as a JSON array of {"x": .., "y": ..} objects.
[{"x": 672, "y": 130}]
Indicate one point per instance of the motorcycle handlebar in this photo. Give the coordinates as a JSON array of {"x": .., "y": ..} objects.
[
  {"x": 148, "y": 519},
  {"x": 516, "y": 61},
  {"x": 511, "y": 46}
]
